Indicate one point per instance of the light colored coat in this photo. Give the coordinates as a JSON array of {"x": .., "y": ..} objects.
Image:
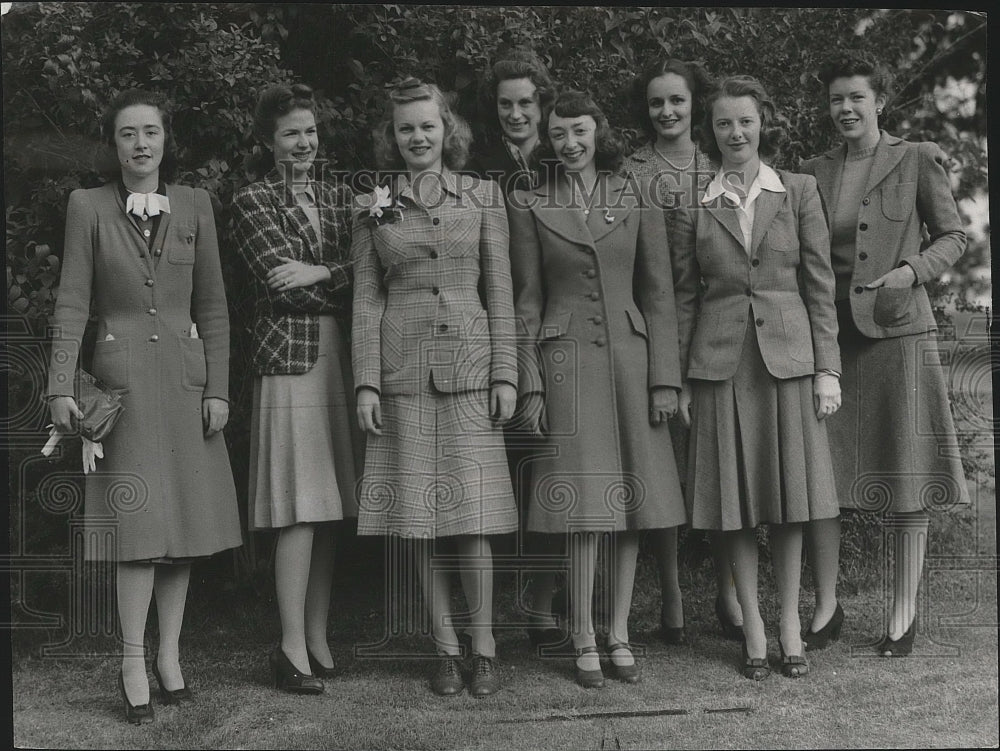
[
  {"x": 908, "y": 189},
  {"x": 163, "y": 488},
  {"x": 783, "y": 282}
]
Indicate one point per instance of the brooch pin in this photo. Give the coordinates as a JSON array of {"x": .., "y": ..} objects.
[{"x": 607, "y": 216}]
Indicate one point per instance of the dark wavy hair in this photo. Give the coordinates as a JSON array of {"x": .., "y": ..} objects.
[
  {"x": 608, "y": 146},
  {"x": 849, "y": 64},
  {"x": 517, "y": 62},
  {"x": 772, "y": 135},
  {"x": 457, "y": 136},
  {"x": 131, "y": 98},
  {"x": 698, "y": 82},
  {"x": 274, "y": 102}
]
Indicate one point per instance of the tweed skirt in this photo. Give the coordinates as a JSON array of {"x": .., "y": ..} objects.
[
  {"x": 304, "y": 440},
  {"x": 893, "y": 440},
  {"x": 757, "y": 452},
  {"x": 438, "y": 469}
]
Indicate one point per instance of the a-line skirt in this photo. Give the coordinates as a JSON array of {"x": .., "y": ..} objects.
[
  {"x": 893, "y": 440},
  {"x": 304, "y": 444},
  {"x": 438, "y": 469},
  {"x": 757, "y": 452}
]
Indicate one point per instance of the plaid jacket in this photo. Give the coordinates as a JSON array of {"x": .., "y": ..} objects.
[{"x": 267, "y": 225}]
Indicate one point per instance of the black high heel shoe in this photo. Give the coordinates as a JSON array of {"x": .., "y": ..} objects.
[
  {"x": 319, "y": 669},
  {"x": 288, "y": 678},
  {"x": 730, "y": 630},
  {"x": 140, "y": 714},
  {"x": 900, "y": 647},
  {"x": 829, "y": 633},
  {"x": 182, "y": 695},
  {"x": 754, "y": 668},
  {"x": 792, "y": 666}
]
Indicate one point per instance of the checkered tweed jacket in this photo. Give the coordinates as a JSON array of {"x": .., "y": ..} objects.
[
  {"x": 268, "y": 225},
  {"x": 432, "y": 296}
]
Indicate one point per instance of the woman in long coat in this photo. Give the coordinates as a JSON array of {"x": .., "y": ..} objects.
[
  {"x": 894, "y": 227},
  {"x": 146, "y": 254},
  {"x": 594, "y": 291}
]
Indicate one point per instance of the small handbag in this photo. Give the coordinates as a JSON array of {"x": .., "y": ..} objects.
[{"x": 101, "y": 406}]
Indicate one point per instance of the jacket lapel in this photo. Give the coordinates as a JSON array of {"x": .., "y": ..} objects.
[
  {"x": 551, "y": 209},
  {"x": 887, "y": 156},
  {"x": 296, "y": 216},
  {"x": 619, "y": 199},
  {"x": 727, "y": 218},
  {"x": 828, "y": 172},
  {"x": 768, "y": 205},
  {"x": 161, "y": 232}
]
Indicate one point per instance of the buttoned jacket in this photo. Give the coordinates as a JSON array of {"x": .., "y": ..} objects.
[
  {"x": 907, "y": 216},
  {"x": 783, "y": 282},
  {"x": 269, "y": 225},
  {"x": 432, "y": 294}
]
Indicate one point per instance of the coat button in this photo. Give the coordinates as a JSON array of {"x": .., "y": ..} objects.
[
  {"x": 152, "y": 311},
  {"x": 859, "y": 290},
  {"x": 759, "y": 322},
  {"x": 749, "y": 292},
  {"x": 435, "y": 291},
  {"x": 862, "y": 226},
  {"x": 600, "y": 341},
  {"x": 434, "y": 254},
  {"x": 598, "y": 320},
  {"x": 755, "y": 262},
  {"x": 594, "y": 296},
  {"x": 435, "y": 221},
  {"x": 866, "y": 201},
  {"x": 862, "y": 256},
  {"x": 443, "y": 327},
  {"x": 158, "y": 252},
  {"x": 145, "y": 233},
  {"x": 149, "y": 282},
  {"x": 590, "y": 273},
  {"x": 154, "y": 338}
]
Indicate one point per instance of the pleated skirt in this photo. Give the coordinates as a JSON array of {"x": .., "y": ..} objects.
[
  {"x": 893, "y": 440},
  {"x": 438, "y": 469},
  {"x": 757, "y": 453},
  {"x": 304, "y": 444}
]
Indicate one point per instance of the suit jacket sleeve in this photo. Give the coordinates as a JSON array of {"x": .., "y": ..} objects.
[
  {"x": 687, "y": 279},
  {"x": 75, "y": 286},
  {"x": 208, "y": 300},
  {"x": 368, "y": 308},
  {"x": 936, "y": 207},
  {"x": 262, "y": 243},
  {"x": 526, "y": 273},
  {"x": 494, "y": 255},
  {"x": 816, "y": 277},
  {"x": 654, "y": 288}
]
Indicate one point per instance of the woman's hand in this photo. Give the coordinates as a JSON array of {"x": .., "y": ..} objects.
[
  {"x": 903, "y": 276},
  {"x": 662, "y": 404},
  {"x": 531, "y": 413},
  {"x": 826, "y": 394},
  {"x": 292, "y": 274},
  {"x": 369, "y": 411},
  {"x": 63, "y": 409},
  {"x": 503, "y": 399},
  {"x": 684, "y": 404},
  {"x": 214, "y": 414}
]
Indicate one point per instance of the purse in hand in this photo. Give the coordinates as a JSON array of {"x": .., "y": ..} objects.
[{"x": 101, "y": 406}]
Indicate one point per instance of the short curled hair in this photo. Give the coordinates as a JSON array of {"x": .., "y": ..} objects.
[
  {"x": 608, "y": 146},
  {"x": 131, "y": 98},
  {"x": 698, "y": 82},
  {"x": 849, "y": 64},
  {"x": 457, "y": 136},
  {"x": 772, "y": 135},
  {"x": 517, "y": 62},
  {"x": 276, "y": 101}
]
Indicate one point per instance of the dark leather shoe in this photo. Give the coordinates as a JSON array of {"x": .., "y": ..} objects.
[
  {"x": 627, "y": 673},
  {"x": 447, "y": 679},
  {"x": 181, "y": 695},
  {"x": 318, "y": 669},
  {"x": 588, "y": 678},
  {"x": 288, "y": 678},
  {"x": 485, "y": 676},
  {"x": 141, "y": 714},
  {"x": 754, "y": 668},
  {"x": 792, "y": 666},
  {"x": 900, "y": 647},
  {"x": 730, "y": 630},
  {"x": 829, "y": 633}
]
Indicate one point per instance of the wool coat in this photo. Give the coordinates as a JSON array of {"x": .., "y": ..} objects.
[
  {"x": 163, "y": 489},
  {"x": 595, "y": 306},
  {"x": 908, "y": 189},
  {"x": 783, "y": 282},
  {"x": 269, "y": 225}
]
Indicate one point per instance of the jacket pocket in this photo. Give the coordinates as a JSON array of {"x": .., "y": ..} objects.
[
  {"x": 798, "y": 336},
  {"x": 194, "y": 375},
  {"x": 555, "y": 326},
  {"x": 111, "y": 362},
  {"x": 898, "y": 200},
  {"x": 893, "y": 306},
  {"x": 391, "y": 333},
  {"x": 181, "y": 244},
  {"x": 637, "y": 322}
]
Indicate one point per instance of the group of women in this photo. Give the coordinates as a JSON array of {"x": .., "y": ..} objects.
[{"x": 688, "y": 285}]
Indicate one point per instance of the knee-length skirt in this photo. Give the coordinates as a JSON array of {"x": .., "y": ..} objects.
[
  {"x": 305, "y": 448},
  {"x": 757, "y": 452},
  {"x": 893, "y": 440},
  {"x": 438, "y": 469}
]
